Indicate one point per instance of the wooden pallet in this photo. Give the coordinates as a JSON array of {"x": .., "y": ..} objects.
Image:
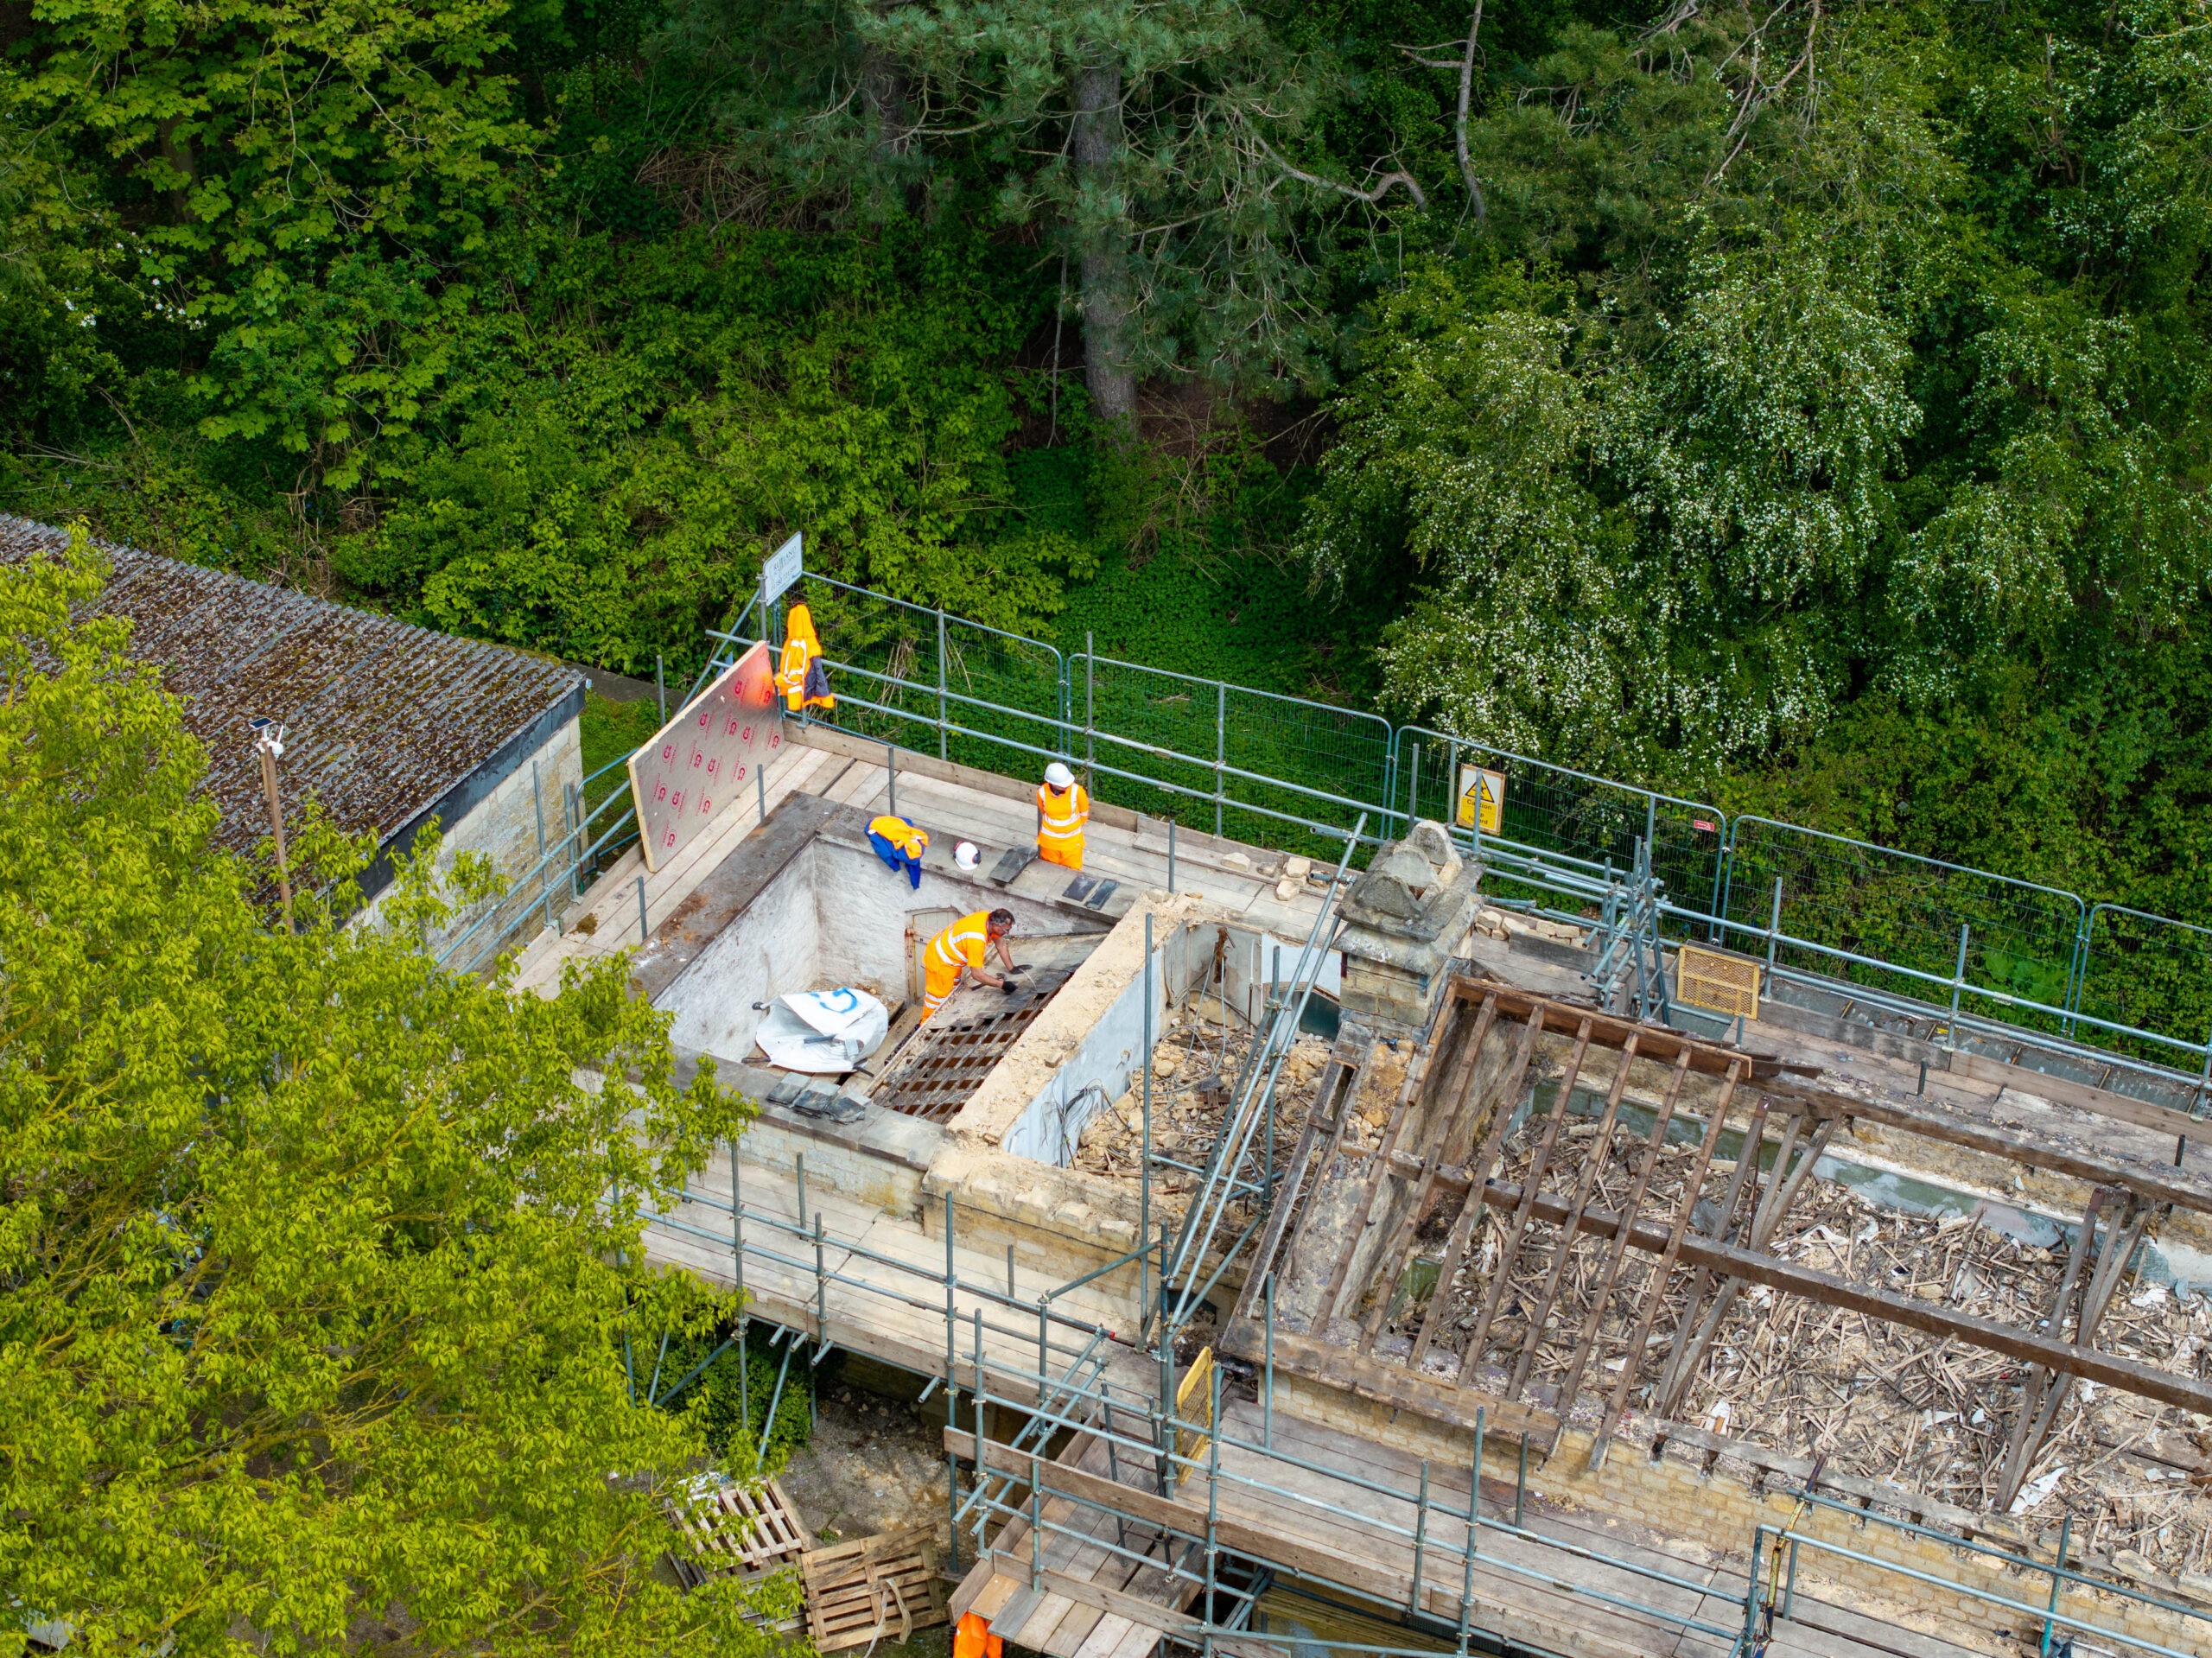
[
  {"x": 732, "y": 1529},
  {"x": 873, "y": 1589}
]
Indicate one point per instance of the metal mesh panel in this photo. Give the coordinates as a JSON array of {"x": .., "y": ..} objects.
[
  {"x": 942, "y": 685},
  {"x": 1273, "y": 770},
  {"x": 1904, "y": 911},
  {"x": 2146, "y": 971},
  {"x": 1564, "y": 814}
]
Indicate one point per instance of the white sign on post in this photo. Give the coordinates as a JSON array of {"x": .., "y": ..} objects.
[{"x": 783, "y": 566}]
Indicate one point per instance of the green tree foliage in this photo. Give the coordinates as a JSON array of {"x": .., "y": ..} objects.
[
  {"x": 1806, "y": 356},
  {"x": 316, "y": 1261},
  {"x": 1714, "y": 387}
]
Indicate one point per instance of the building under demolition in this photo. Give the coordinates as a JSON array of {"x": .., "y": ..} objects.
[{"x": 1354, "y": 1234}]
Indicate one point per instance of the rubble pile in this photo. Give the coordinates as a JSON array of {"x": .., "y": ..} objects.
[
  {"x": 1195, "y": 1065},
  {"x": 1872, "y": 1399}
]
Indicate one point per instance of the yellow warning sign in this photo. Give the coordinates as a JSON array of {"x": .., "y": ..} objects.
[
  {"x": 1479, "y": 783},
  {"x": 1717, "y": 983}
]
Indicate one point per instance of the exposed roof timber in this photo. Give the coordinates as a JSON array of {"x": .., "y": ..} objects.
[
  {"x": 1759, "y": 1268},
  {"x": 1786, "y": 1084}
]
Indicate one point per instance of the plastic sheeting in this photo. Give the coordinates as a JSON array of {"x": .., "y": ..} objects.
[{"x": 822, "y": 1031}]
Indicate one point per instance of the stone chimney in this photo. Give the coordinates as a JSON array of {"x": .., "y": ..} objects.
[{"x": 1405, "y": 919}]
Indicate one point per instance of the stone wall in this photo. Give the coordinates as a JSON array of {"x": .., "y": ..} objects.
[{"x": 506, "y": 826}]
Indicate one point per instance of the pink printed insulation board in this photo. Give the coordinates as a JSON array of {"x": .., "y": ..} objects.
[{"x": 705, "y": 757}]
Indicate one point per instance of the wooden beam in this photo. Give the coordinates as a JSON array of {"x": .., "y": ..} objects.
[
  {"x": 1501, "y": 1104},
  {"x": 1378, "y": 1170},
  {"x": 1612, "y": 1031},
  {"x": 2186, "y": 1393},
  {"x": 1510, "y": 1251},
  {"x": 1602, "y": 1296},
  {"x": 1657, "y": 1292},
  {"x": 2120, "y": 1244},
  {"x": 2152, "y": 1181},
  {"x": 1443, "y": 1132},
  {"x": 2013, "y": 1469},
  {"x": 1793, "y": 1082},
  {"x": 1766, "y": 1217},
  {"x": 1724, "y": 1219},
  {"x": 1294, "y": 1183},
  {"x": 1408, "y": 1093},
  {"x": 1593, "y": 1159},
  {"x": 1347, "y": 1092},
  {"x": 1381, "y": 1382}
]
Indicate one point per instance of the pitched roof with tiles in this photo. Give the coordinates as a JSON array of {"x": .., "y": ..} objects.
[{"x": 382, "y": 721}]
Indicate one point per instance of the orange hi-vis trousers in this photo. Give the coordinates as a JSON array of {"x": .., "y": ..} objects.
[{"x": 973, "y": 1638}]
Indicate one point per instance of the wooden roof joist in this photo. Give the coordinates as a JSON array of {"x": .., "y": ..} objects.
[
  {"x": 1756, "y": 1266},
  {"x": 1788, "y": 1084}
]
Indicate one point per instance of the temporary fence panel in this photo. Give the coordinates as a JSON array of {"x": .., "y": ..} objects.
[
  {"x": 1948, "y": 926},
  {"x": 2146, "y": 971},
  {"x": 941, "y": 684},
  {"x": 1589, "y": 823},
  {"x": 1254, "y": 765}
]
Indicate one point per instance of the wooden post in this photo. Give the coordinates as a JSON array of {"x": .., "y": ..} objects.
[{"x": 270, "y": 747}]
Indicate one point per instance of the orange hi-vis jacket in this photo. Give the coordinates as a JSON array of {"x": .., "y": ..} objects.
[
  {"x": 965, "y": 944},
  {"x": 1060, "y": 818},
  {"x": 801, "y": 647}
]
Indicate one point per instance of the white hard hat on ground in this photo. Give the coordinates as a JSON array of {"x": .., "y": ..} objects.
[
  {"x": 1058, "y": 775},
  {"x": 965, "y": 854}
]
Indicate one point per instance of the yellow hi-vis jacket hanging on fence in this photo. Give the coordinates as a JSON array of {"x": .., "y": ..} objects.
[
  {"x": 1061, "y": 814},
  {"x": 964, "y": 944},
  {"x": 801, "y": 677}
]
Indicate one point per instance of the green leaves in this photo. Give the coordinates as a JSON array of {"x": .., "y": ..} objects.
[
  {"x": 316, "y": 1261},
  {"x": 316, "y": 169}
]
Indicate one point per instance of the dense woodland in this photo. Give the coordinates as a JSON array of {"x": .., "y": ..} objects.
[{"x": 1805, "y": 405}]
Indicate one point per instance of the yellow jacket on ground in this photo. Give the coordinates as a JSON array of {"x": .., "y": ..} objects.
[{"x": 900, "y": 833}]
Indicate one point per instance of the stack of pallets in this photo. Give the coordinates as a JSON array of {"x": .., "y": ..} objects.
[
  {"x": 752, "y": 1533},
  {"x": 881, "y": 1588}
]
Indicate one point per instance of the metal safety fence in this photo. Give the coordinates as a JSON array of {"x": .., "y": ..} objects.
[
  {"x": 1926, "y": 921},
  {"x": 1263, "y": 761},
  {"x": 2144, "y": 971},
  {"x": 1966, "y": 952}
]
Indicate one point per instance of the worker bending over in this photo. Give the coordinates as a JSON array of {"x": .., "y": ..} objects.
[
  {"x": 963, "y": 947},
  {"x": 899, "y": 844},
  {"x": 1062, "y": 808}
]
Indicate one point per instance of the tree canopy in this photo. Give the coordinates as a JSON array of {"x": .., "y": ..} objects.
[
  {"x": 316, "y": 1260},
  {"x": 1690, "y": 390}
]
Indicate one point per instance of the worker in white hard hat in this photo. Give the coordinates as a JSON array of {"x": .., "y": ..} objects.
[{"x": 1062, "y": 808}]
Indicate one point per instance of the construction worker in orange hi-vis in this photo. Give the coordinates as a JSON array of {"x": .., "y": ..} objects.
[
  {"x": 802, "y": 677},
  {"x": 972, "y": 1638},
  {"x": 963, "y": 947},
  {"x": 1062, "y": 808}
]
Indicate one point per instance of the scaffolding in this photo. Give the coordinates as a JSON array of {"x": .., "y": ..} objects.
[{"x": 1187, "y": 1481}]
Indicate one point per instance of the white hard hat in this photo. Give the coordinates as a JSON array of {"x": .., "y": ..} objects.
[
  {"x": 1058, "y": 775},
  {"x": 965, "y": 854}
]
